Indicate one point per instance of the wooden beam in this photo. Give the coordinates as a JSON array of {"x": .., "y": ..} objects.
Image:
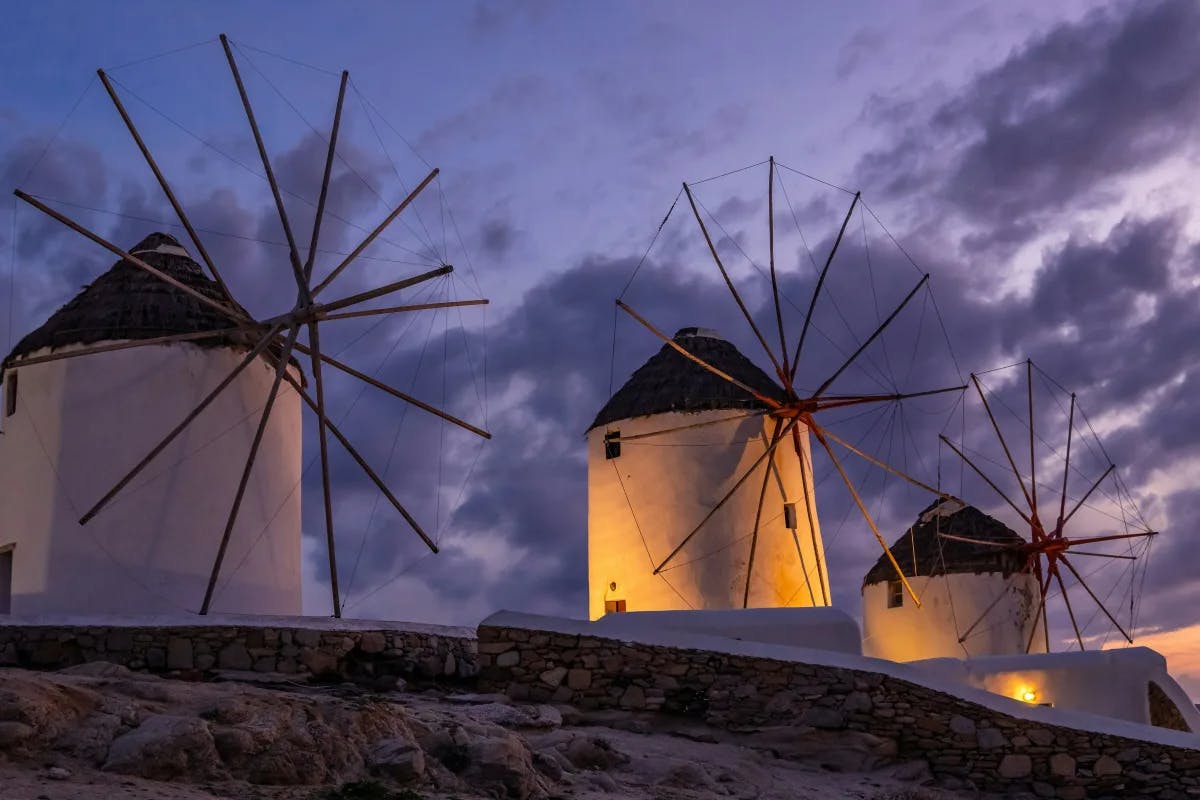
[
  {"x": 812, "y": 524},
  {"x": 1062, "y": 506},
  {"x": 664, "y": 431},
  {"x": 785, "y": 375},
  {"x": 374, "y": 312},
  {"x": 293, "y": 252},
  {"x": 316, "y": 231},
  {"x": 758, "y": 516},
  {"x": 231, "y": 313},
  {"x": 166, "y": 187},
  {"x": 314, "y": 338},
  {"x": 371, "y": 236},
  {"x": 362, "y": 297},
  {"x": 1096, "y": 599},
  {"x": 1004, "y": 444},
  {"x": 987, "y": 480},
  {"x": 1083, "y": 499},
  {"x": 263, "y": 420},
  {"x": 187, "y": 420}
]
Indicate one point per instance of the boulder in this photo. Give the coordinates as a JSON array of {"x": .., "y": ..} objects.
[
  {"x": 166, "y": 747},
  {"x": 397, "y": 758}
]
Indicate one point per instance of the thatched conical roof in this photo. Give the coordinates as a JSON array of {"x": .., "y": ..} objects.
[
  {"x": 129, "y": 303},
  {"x": 922, "y": 550},
  {"x": 670, "y": 382}
]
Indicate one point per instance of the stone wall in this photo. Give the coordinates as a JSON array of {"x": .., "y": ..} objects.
[
  {"x": 965, "y": 742},
  {"x": 325, "y": 650}
]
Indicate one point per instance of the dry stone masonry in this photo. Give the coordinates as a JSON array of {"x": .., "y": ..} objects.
[
  {"x": 963, "y": 742},
  {"x": 323, "y": 650}
]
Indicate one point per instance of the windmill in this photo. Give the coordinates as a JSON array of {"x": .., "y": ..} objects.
[
  {"x": 788, "y": 413},
  {"x": 274, "y": 339},
  {"x": 1052, "y": 546}
]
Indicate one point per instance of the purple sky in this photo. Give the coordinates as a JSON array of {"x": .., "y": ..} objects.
[{"x": 1037, "y": 158}]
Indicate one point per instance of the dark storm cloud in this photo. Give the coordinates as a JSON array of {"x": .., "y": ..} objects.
[
  {"x": 1059, "y": 120},
  {"x": 496, "y": 238}
]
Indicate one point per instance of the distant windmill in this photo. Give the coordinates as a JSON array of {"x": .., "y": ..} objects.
[
  {"x": 274, "y": 340},
  {"x": 660, "y": 500}
]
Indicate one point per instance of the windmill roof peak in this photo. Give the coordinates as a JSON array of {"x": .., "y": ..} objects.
[{"x": 671, "y": 382}]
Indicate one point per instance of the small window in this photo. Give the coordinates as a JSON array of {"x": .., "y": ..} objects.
[
  {"x": 613, "y": 606},
  {"x": 10, "y": 394},
  {"x": 789, "y": 516},
  {"x": 6, "y": 570},
  {"x": 612, "y": 444},
  {"x": 895, "y": 594}
]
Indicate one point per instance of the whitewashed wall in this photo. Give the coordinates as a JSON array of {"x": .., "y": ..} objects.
[
  {"x": 665, "y": 486},
  {"x": 82, "y": 423},
  {"x": 949, "y": 605}
]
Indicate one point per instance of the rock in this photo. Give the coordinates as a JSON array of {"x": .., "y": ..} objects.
[
  {"x": 553, "y": 677},
  {"x": 98, "y": 669},
  {"x": 1062, "y": 765},
  {"x": 1015, "y": 765},
  {"x": 165, "y": 747},
  {"x": 503, "y": 763},
  {"x": 13, "y": 734},
  {"x": 593, "y": 752},
  {"x": 579, "y": 678},
  {"x": 234, "y": 656},
  {"x": 991, "y": 738},
  {"x": 319, "y": 663},
  {"x": 819, "y": 717},
  {"x": 508, "y": 659},
  {"x": 962, "y": 726},
  {"x": 372, "y": 642},
  {"x": 507, "y": 716},
  {"x": 399, "y": 759},
  {"x": 633, "y": 697},
  {"x": 1106, "y": 766},
  {"x": 306, "y": 638},
  {"x": 857, "y": 702}
]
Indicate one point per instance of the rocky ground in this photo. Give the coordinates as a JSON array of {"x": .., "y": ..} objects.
[{"x": 99, "y": 730}]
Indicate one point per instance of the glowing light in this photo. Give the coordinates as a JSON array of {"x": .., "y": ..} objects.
[{"x": 1028, "y": 695}]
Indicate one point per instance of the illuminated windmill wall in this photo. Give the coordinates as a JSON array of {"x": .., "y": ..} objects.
[
  {"x": 959, "y": 581},
  {"x": 643, "y": 491},
  {"x": 66, "y": 420}
]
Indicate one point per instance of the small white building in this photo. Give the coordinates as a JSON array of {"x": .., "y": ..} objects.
[
  {"x": 73, "y": 427},
  {"x": 645, "y": 495},
  {"x": 976, "y": 599}
]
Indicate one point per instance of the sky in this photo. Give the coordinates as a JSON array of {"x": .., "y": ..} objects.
[{"x": 1036, "y": 159}]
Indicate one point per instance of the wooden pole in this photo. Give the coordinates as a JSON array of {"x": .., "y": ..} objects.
[
  {"x": 1062, "y": 506},
  {"x": 349, "y": 370},
  {"x": 166, "y": 187},
  {"x": 758, "y": 516},
  {"x": 812, "y": 304},
  {"x": 108, "y": 348},
  {"x": 884, "y": 465},
  {"x": 651, "y": 434},
  {"x": 784, "y": 376},
  {"x": 769, "y": 402},
  {"x": 362, "y": 297},
  {"x": 316, "y": 231},
  {"x": 1083, "y": 499},
  {"x": 841, "y": 401},
  {"x": 862, "y": 507},
  {"x": 712, "y": 512},
  {"x": 1096, "y": 599},
  {"x": 263, "y": 420},
  {"x": 729, "y": 283},
  {"x": 293, "y": 252},
  {"x": 1111, "y": 538},
  {"x": 391, "y": 498},
  {"x": 808, "y": 512},
  {"x": 1003, "y": 593},
  {"x": 1043, "y": 587},
  {"x": 1067, "y": 599},
  {"x": 987, "y": 480},
  {"x": 231, "y": 313},
  {"x": 371, "y": 236},
  {"x": 374, "y": 312},
  {"x": 314, "y": 338},
  {"x": 1033, "y": 503},
  {"x": 178, "y": 429},
  {"x": 1004, "y": 444},
  {"x": 883, "y": 326}
]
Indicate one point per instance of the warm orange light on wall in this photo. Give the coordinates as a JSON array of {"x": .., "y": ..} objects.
[{"x": 1028, "y": 695}]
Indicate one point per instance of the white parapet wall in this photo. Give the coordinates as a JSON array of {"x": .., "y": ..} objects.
[
  {"x": 818, "y": 628},
  {"x": 643, "y": 503},
  {"x": 80, "y": 424},
  {"x": 1114, "y": 683}
]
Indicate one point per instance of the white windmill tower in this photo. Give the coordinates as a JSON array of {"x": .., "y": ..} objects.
[
  {"x": 671, "y": 442},
  {"x": 966, "y": 566},
  {"x": 67, "y": 419}
]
